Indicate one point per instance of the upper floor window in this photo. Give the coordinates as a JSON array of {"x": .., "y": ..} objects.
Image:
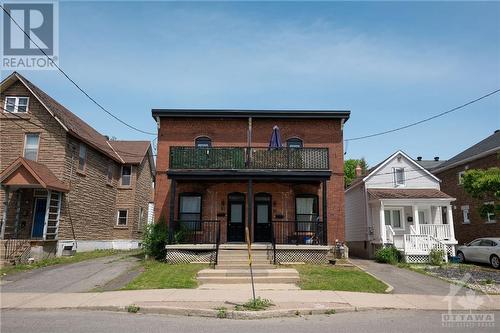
[
  {"x": 294, "y": 143},
  {"x": 461, "y": 177},
  {"x": 126, "y": 175},
  {"x": 109, "y": 174},
  {"x": 82, "y": 157},
  {"x": 399, "y": 176},
  {"x": 203, "y": 142},
  {"x": 31, "y": 144},
  {"x": 16, "y": 104},
  {"x": 489, "y": 212}
]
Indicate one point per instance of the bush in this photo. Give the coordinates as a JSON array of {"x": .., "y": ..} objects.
[
  {"x": 155, "y": 239},
  {"x": 388, "y": 255},
  {"x": 436, "y": 257}
]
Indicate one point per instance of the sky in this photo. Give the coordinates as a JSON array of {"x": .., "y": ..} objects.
[{"x": 389, "y": 63}]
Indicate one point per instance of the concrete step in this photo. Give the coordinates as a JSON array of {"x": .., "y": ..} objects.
[
  {"x": 243, "y": 246},
  {"x": 257, "y": 279},
  {"x": 244, "y": 266},
  {"x": 243, "y": 262},
  {"x": 243, "y": 254},
  {"x": 246, "y": 272}
]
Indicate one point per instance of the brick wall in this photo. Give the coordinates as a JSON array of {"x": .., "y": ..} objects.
[
  {"x": 477, "y": 227},
  {"x": 233, "y": 132}
]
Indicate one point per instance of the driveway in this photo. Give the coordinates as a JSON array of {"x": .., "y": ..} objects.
[
  {"x": 405, "y": 281},
  {"x": 103, "y": 273}
]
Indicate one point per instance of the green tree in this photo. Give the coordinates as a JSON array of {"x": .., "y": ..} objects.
[
  {"x": 350, "y": 169},
  {"x": 485, "y": 185}
]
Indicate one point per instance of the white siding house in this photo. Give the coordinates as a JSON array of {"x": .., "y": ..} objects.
[{"x": 398, "y": 203}]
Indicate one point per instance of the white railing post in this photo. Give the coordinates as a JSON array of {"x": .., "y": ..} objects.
[
  {"x": 449, "y": 215},
  {"x": 382, "y": 223},
  {"x": 415, "y": 219}
]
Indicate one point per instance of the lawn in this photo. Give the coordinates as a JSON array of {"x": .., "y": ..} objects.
[
  {"x": 325, "y": 277},
  {"x": 79, "y": 256},
  {"x": 160, "y": 275}
]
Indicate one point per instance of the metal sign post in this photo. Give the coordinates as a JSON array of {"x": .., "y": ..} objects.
[{"x": 249, "y": 246}]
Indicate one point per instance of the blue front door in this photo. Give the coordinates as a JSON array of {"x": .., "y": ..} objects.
[{"x": 39, "y": 218}]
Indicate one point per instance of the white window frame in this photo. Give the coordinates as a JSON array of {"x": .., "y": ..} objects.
[
  {"x": 401, "y": 215},
  {"x": 141, "y": 219},
  {"x": 488, "y": 220},
  {"x": 395, "y": 170},
  {"x": 82, "y": 145},
  {"x": 465, "y": 214},
  {"x": 461, "y": 177},
  {"x": 26, "y": 144},
  {"x": 118, "y": 218},
  {"x": 121, "y": 176},
  {"x": 16, "y": 104}
]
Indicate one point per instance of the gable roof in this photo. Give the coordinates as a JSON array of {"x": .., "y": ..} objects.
[
  {"x": 122, "y": 153},
  {"x": 430, "y": 164},
  {"x": 37, "y": 174},
  {"x": 488, "y": 146}
]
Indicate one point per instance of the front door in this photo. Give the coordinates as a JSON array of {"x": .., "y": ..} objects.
[
  {"x": 236, "y": 217},
  {"x": 39, "y": 217},
  {"x": 262, "y": 223}
]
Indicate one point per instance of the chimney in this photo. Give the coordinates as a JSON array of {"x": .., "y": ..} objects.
[
  {"x": 358, "y": 170},
  {"x": 419, "y": 158},
  {"x": 436, "y": 158}
]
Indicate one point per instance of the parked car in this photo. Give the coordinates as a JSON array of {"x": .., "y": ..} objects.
[{"x": 484, "y": 250}]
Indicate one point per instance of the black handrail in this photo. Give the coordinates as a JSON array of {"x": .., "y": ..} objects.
[
  {"x": 299, "y": 232},
  {"x": 273, "y": 242},
  {"x": 217, "y": 245},
  {"x": 194, "y": 232}
]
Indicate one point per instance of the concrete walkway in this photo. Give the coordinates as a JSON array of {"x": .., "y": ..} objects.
[
  {"x": 405, "y": 281},
  {"x": 78, "y": 277},
  {"x": 205, "y": 302}
]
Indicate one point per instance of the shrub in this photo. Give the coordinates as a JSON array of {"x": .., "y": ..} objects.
[
  {"x": 436, "y": 257},
  {"x": 155, "y": 239},
  {"x": 257, "y": 304},
  {"x": 388, "y": 255}
]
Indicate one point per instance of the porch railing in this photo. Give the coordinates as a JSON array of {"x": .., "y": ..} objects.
[
  {"x": 227, "y": 158},
  {"x": 299, "y": 232},
  {"x": 439, "y": 231},
  {"x": 422, "y": 245},
  {"x": 389, "y": 234},
  {"x": 195, "y": 232}
]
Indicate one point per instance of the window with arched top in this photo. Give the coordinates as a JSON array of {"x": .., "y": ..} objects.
[
  {"x": 294, "y": 143},
  {"x": 203, "y": 142}
]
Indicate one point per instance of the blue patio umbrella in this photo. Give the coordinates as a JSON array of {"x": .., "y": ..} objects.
[{"x": 275, "y": 141}]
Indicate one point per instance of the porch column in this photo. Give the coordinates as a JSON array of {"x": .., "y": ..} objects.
[
  {"x": 325, "y": 212},
  {"x": 171, "y": 210},
  {"x": 416, "y": 222},
  {"x": 383, "y": 232},
  {"x": 250, "y": 208},
  {"x": 5, "y": 208},
  {"x": 449, "y": 217}
]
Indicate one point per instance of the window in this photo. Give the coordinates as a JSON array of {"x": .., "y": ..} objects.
[
  {"x": 203, "y": 142},
  {"x": 141, "y": 219},
  {"x": 294, "y": 143},
  {"x": 109, "y": 174},
  {"x": 444, "y": 215},
  {"x": 476, "y": 242},
  {"x": 393, "y": 218},
  {"x": 31, "y": 143},
  {"x": 190, "y": 210},
  {"x": 126, "y": 175},
  {"x": 306, "y": 211},
  {"x": 16, "y": 104},
  {"x": 487, "y": 242},
  {"x": 399, "y": 176},
  {"x": 82, "y": 157},
  {"x": 121, "y": 218},
  {"x": 461, "y": 177},
  {"x": 489, "y": 212},
  {"x": 465, "y": 214}
]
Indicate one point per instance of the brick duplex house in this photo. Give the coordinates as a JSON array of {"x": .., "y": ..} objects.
[
  {"x": 217, "y": 174},
  {"x": 63, "y": 184},
  {"x": 469, "y": 224}
]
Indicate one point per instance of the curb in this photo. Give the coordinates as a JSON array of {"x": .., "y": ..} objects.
[{"x": 389, "y": 288}]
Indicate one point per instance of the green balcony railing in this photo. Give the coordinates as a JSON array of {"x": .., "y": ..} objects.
[{"x": 228, "y": 158}]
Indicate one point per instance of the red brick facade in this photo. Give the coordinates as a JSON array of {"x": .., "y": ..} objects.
[
  {"x": 232, "y": 132},
  {"x": 478, "y": 227}
]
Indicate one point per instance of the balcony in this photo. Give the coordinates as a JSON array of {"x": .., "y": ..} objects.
[{"x": 235, "y": 158}]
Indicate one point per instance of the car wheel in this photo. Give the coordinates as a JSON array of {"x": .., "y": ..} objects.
[
  {"x": 461, "y": 256},
  {"x": 495, "y": 261}
]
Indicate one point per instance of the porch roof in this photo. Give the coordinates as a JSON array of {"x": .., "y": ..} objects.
[
  {"x": 407, "y": 194},
  {"x": 27, "y": 173}
]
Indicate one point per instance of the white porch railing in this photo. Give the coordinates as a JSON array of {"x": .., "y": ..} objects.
[
  {"x": 439, "y": 231},
  {"x": 413, "y": 230},
  {"x": 389, "y": 234},
  {"x": 422, "y": 245}
]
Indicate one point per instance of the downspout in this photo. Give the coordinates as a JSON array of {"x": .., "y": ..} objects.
[{"x": 68, "y": 199}]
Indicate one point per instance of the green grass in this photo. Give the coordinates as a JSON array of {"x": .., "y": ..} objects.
[
  {"x": 160, "y": 275},
  {"x": 324, "y": 277},
  {"x": 79, "y": 256}
]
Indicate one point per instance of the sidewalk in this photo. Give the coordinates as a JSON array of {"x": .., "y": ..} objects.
[{"x": 201, "y": 302}]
